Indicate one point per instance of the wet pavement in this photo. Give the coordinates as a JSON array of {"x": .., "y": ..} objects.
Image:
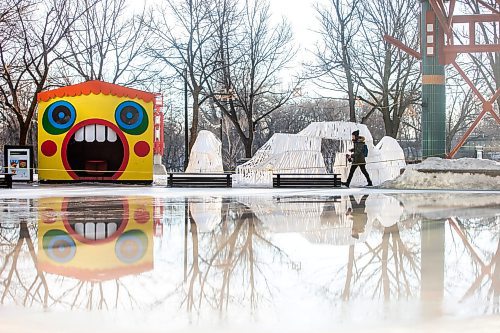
[{"x": 283, "y": 262}]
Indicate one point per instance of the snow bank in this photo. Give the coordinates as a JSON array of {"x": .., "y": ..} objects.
[
  {"x": 465, "y": 174},
  {"x": 458, "y": 164}
]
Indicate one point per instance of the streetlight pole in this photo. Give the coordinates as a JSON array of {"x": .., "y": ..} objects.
[{"x": 186, "y": 134}]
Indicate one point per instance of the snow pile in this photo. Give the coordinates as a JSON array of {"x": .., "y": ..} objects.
[
  {"x": 206, "y": 155},
  {"x": 437, "y": 163},
  {"x": 437, "y": 173},
  {"x": 283, "y": 153}
]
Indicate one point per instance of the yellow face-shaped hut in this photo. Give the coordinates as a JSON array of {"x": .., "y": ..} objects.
[{"x": 95, "y": 131}]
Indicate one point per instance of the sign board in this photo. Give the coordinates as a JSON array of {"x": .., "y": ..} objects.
[{"x": 18, "y": 160}]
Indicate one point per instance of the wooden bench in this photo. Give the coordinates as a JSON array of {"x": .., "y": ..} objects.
[
  {"x": 200, "y": 180},
  {"x": 306, "y": 180},
  {"x": 6, "y": 180}
]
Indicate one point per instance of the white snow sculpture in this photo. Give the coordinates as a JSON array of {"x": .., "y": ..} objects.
[
  {"x": 206, "y": 155},
  {"x": 337, "y": 130},
  {"x": 301, "y": 153},
  {"x": 283, "y": 153}
]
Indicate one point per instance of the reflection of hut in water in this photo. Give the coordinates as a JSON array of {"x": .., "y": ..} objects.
[
  {"x": 344, "y": 220},
  {"x": 322, "y": 220},
  {"x": 206, "y": 213},
  {"x": 95, "y": 239}
]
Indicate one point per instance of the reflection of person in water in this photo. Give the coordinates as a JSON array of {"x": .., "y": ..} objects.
[{"x": 358, "y": 216}]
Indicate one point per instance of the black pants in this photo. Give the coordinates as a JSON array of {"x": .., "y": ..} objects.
[{"x": 363, "y": 170}]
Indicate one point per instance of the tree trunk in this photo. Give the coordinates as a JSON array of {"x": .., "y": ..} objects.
[
  {"x": 194, "y": 123},
  {"x": 350, "y": 92},
  {"x": 23, "y": 133},
  {"x": 248, "y": 143}
]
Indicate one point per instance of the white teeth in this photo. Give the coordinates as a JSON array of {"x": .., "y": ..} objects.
[
  {"x": 100, "y": 231},
  {"x": 80, "y": 135},
  {"x": 90, "y": 230},
  {"x": 95, "y": 231},
  {"x": 100, "y": 133},
  {"x": 111, "y": 228},
  {"x": 90, "y": 133},
  {"x": 79, "y": 229},
  {"x": 111, "y": 135}
]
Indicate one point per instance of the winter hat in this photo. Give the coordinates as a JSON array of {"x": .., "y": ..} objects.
[{"x": 355, "y": 133}]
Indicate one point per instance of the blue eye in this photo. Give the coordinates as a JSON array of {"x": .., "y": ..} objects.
[
  {"x": 131, "y": 246},
  {"x": 131, "y": 118},
  {"x": 59, "y": 117}
]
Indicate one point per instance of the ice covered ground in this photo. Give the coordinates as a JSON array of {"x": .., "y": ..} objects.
[
  {"x": 289, "y": 298},
  {"x": 459, "y": 174},
  {"x": 92, "y": 190}
]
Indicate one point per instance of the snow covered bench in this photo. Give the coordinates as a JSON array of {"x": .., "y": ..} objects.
[
  {"x": 306, "y": 180},
  {"x": 199, "y": 180},
  {"x": 6, "y": 180}
]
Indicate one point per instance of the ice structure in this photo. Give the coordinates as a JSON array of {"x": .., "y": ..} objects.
[
  {"x": 283, "y": 153},
  {"x": 206, "y": 155},
  {"x": 301, "y": 153}
]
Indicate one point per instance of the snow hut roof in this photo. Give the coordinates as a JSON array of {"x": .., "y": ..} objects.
[
  {"x": 95, "y": 87},
  {"x": 336, "y": 130}
]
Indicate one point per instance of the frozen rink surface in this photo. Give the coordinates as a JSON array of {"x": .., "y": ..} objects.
[{"x": 152, "y": 259}]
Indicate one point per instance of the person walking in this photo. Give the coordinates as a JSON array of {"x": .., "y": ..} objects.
[{"x": 357, "y": 158}]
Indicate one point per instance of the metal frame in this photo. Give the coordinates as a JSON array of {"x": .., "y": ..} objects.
[{"x": 450, "y": 51}]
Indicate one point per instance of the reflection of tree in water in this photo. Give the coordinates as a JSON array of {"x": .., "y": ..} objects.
[
  {"x": 384, "y": 264},
  {"x": 477, "y": 242},
  {"x": 230, "y": 267},
  {"x": 18, "y": 285}
]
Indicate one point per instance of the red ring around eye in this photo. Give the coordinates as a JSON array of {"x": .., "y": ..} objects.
[
  {"x": 49, "y": 148},
  {"x": 141, "y": 148}
]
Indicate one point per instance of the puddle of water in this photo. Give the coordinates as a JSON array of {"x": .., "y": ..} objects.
[{"x": 295, "y": 263}]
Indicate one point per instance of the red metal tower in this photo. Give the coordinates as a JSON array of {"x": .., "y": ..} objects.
[{"x": 447, "y": 51}]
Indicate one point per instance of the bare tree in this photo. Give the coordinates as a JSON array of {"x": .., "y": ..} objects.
[
  {"x": 247, "y": 86},
  {"x": 462, "y": 108},
  {"x": 27, "y": 54},
  {"x": 180, "y": 40},
  {"x": 339, "y": 24},
  {"x": 389, "y": 77},
  {"x": 106, "y": 45},
  {"x": 488, "y": 63}
]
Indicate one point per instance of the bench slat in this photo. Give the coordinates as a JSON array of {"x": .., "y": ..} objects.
[
  {"x": 306, "y": 180},
  {"x": 199, "y": 180}
]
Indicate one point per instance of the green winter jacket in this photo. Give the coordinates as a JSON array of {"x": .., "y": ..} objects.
[{"x": 358, "y": 157}]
